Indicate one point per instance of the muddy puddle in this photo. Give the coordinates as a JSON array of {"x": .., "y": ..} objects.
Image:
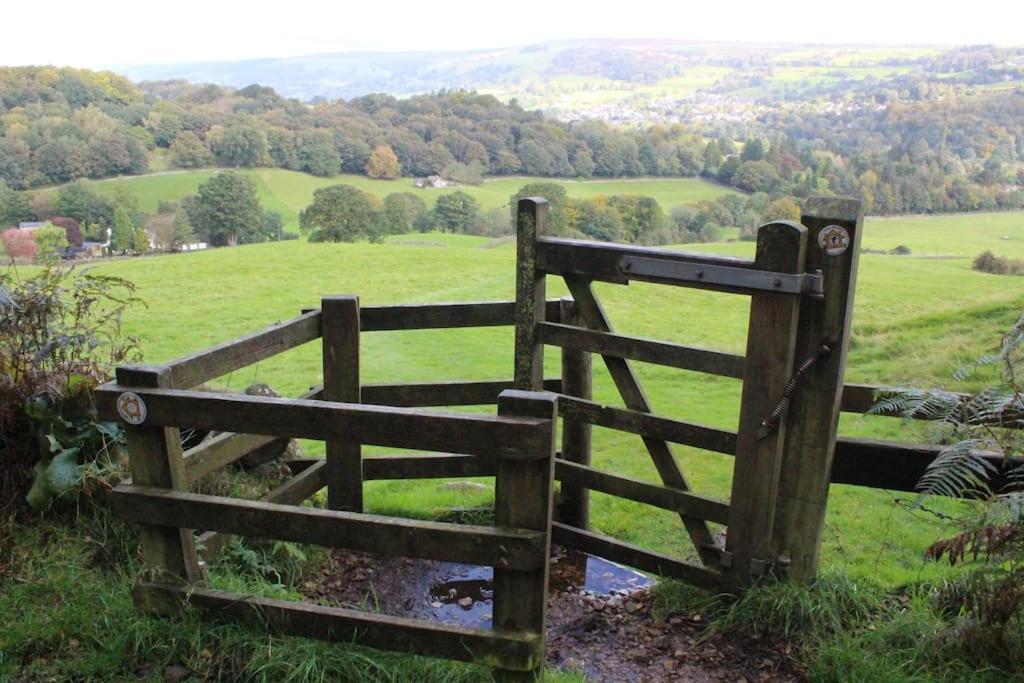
[{"x": 460, "y": 593}]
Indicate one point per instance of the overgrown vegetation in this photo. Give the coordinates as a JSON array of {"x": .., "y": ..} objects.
[
  {"x": 988, "y": 262},
  {"x": 60, "y": 336}
]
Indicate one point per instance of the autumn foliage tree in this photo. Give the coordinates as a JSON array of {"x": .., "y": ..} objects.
[
  {"x": 383, "y": 163},
  {"x": 19, "y": 244}
]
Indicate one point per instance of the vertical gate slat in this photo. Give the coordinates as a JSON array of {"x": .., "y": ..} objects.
[
  {"x": 340, "y": 321},
  {"x": 577, "y": 380},
  {"x": 811, "y": 429},
  {"x": 771, "y": 342},
  {"x": 633, "y": 396}
]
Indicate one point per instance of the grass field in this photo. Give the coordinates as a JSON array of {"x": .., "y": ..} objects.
[
  {"x": 916, "y": 319},
  {"x": 288, "y": 192}
]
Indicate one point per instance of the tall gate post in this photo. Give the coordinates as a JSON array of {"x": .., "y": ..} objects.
[
  {"x": 155, "y": 459},
  {"x": 523, "y": 499},
  {"x": 835, "y": 227},
  {"x": 531, "y": 219},
  {"x": 771, "y": 343},
  {"x": 340, "y": 326},
  {"x": 577, "y": 380}
]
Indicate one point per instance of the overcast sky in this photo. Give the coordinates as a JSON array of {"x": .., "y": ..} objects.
[{"x": 97, "y": 33}]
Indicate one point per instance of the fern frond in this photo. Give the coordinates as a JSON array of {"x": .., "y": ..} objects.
[{"x": 958, "y": 471}]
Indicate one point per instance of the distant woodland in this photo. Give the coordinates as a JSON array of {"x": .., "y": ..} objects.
[{"x": 913, "y": 146}]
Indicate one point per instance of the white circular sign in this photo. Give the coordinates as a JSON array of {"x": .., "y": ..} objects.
[
  {"x": 834, "y": 240},
  {"x": 131, "y": 408}
]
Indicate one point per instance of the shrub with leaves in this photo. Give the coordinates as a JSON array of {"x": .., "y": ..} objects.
[
  {"x": 60, "y": 336},
  {"x": 19, "y": 244},
  {"x": 984, "y": 437}
]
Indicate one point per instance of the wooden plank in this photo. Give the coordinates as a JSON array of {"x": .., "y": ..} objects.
[
  {"x": 444, "y": 315},
  {"x": 217, "y": 361},
  {"x": 220, "y": 450},
  {"x": 603, "y": 261},
  {"x": 813, "y": 417},
  {"x": 294, "y": 491},
  {"x": 340, "y": 324},
  {"x": 644, "y": 350},
  {"x": 674, "y": 500},
  {"x": 771, "y": 337},
  {"x": 633, "y": 396},
  {"x": 412, "y": 428},
  {"x": 648, "y": 425},
  {"x": 154, "y": 459},
  {"x": 898, "y": 466},
  {"x": 577, "y": 379},
  {"x": 634, "y": 556},
  {"x": 228, "y": 447},
  {"x": 431, "y": 466},
  {"x": 428, "y": 394},
  {"x": 860, "y": 398},
  {"x": 334, "y": 624},
  {"x": 523, "y": 499},
  {"x": 531, "y": 221},
  {"x": 514, "y": 549}
]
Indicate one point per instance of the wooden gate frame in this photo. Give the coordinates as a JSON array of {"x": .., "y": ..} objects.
[
  {"x": 519, "y": 443},
  {"x": 798, "y": 335}
]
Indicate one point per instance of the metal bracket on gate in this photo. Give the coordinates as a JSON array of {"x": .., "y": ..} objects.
[{"x": 728, "y": 276}]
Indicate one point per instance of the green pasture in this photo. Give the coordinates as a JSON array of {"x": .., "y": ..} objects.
[{"x": 288, "y": 192}]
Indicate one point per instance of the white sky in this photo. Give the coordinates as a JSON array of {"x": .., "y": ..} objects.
[{"x": 97, "y": 33}]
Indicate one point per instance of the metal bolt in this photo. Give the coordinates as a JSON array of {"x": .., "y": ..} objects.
[
  {"x": 700, "y": 274},
  {"x": 776, "y": 282}
]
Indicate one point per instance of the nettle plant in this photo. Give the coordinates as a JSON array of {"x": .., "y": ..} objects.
[
  {"x": 60, "y": 336},
  {"x": 991, "y": 596}
]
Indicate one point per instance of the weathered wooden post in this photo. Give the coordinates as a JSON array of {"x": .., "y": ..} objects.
[
  {"x": 835, "y": 227},
  {"x": 771, "y": 337},
  {"x": 523, "y": 499},
  {"x": 577, "y": 380},
  {"x": 340, "y": 325},
  {"x": 154, "y": 455},
  {"x": 531, "y": 219}
]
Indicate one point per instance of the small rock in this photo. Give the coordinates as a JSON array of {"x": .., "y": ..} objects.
[
  {"x": 466, "y": 602},
  {"x": 176, "y": 673}
]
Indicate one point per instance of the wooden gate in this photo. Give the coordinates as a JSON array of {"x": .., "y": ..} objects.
[
  {"x": 800, "y": 285},
  {"x": 518, "y": 444}
]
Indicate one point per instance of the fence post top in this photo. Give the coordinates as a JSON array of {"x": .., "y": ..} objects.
[
  {"x": 541, "y": 404},
  {"x": 141, "y": 374},
  {"x": 341, "y": 297},
  {"x": 833, "y": 208}
]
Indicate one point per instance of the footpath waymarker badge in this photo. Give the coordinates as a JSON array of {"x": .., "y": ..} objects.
[
  {"x": 834, "y": 240},
  {"x": 131, "y": 408}
]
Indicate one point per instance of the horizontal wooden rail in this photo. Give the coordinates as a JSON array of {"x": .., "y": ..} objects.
[
  {"x": 202, "y": 366},
  {"x": 517, "y": 651},
  {"x": 433, "y": 316},
  {"x": 662, "y": 497},
  {"x": 896, "y": 466},
  {"x": 513, "y": 549},
  {"x": 632, "y": 556},
  {"x": 644, "y": 350},
  {"x": 492, "y": 436},
  {"x": 646, "y": 424},
  {"x": 428, "y": 394},
  {"x": 611, "y": 263},
  {"x": 294, "y": 491}
]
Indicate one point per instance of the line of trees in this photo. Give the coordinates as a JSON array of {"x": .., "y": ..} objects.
[
  {"x": 343, "y": 213},
  {"x": 916, "y": 147}
]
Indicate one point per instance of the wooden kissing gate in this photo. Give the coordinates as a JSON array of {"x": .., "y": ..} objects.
[{"x": 801, "y": 286}]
